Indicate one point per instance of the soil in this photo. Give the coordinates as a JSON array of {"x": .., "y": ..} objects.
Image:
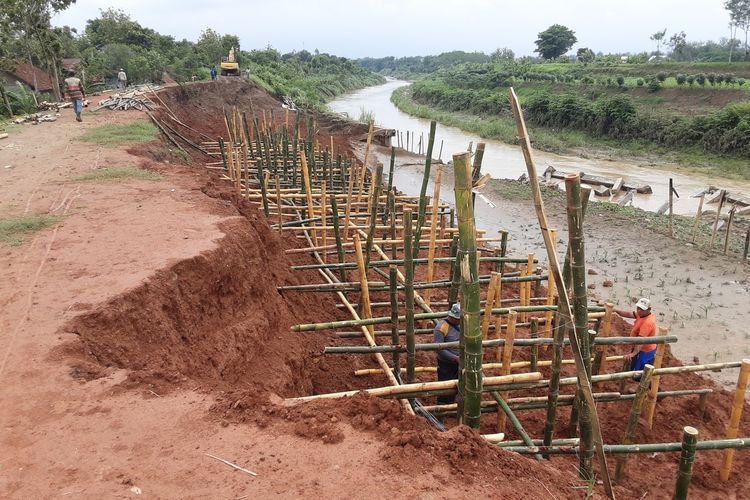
[{"x": 145, "y": 331}]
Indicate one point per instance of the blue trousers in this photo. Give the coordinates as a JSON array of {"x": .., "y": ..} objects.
[
  {"x": 78, "y": 105},
  {"x": 643, "y": 359}
]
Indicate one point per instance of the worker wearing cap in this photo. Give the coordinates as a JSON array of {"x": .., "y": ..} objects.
[
  {"x": 447, "y": 330},
  {"x": 122, "y": 79},
  {"x": 645, "y": 326}
]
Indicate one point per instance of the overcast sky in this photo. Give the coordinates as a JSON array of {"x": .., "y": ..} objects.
[{"x": 360, "y": 28}]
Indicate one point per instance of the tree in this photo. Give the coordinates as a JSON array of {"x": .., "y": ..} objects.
[
  {"x": 657, "y": 38},
  {"x": 555, "y": 41},
  {"x": 502, "y": 54},
  {"x": 585, "y": 55},
  {"x": 739, "y": 16},
  {"x": 678, "y": 42}
]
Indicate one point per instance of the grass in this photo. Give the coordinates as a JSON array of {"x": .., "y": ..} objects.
[
  {"x": 575, "y": 142},
  {"x": 14, "y": 231},
  {"x": 116, "y": 174},
  {"x": 113, "y": 135}
]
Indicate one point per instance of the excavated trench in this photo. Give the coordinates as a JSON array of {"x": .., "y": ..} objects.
[{"x": 218, "y": 319}]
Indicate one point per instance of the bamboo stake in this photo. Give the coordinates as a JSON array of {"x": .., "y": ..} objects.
[
  {"x": 635, "y": 413},
  {"x": 534, "y": 334},
  {"x": 567, "y": 313},
  {"x": 722, "y": 198},
  {"x": 507, "y": 355},
  {"x": 349, "y": 194},
  {"x": 423, "y": 191},
  {"x": 491, "y": 290},
  {"x": 395, "y": 340},
  {"x": 729, "y": 228},
  {"x": 337, "y": 233},
  {"x": 374, "y": 204},
  {"x": 324, "y": 217},
  {"x": 687, "y": 457},
  {"x": 550, "y": 291},
  {"x": 698, "y": 216},
  {"x": 471, "y": 333},
  {"x": 655, "y": 380},
  {"x": 365, "y": 290},
  {"x": 365, "y": 163},
  {"x": 306, "y": 180},
  {"x": 734, "y": 419},
  {"x": 433, "y": 228},
  {"x": 513, "y": 420},
  {"x": 671, "y": 208},
  {"x": 409, "y": 299},
  {"x": 525, "y": 289},
  {"x": 600, "y": 360}
]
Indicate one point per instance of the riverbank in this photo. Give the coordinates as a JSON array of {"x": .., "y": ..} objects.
[{"x": 573, "y": 142}]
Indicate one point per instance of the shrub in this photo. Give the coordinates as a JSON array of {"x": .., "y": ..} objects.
[
  {"x": 690, "y": 80},
  {"x": 639, "y": 82},
  {"x": 620, "y": 81},
  {"x": 700, "y": 79},
  {"x": 740, "y": 82},
  {"x": 711, "y": 77},
  {"x": 654, "y": 85},
  {"x": 681, "y": 79},
  {"x": 661, "y": 76}
]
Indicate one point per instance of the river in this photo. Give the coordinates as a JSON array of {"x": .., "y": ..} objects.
[{"x": 504, "y": 161}]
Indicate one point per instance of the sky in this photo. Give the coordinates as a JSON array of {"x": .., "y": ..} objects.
[{"x": 369, "y": 28}]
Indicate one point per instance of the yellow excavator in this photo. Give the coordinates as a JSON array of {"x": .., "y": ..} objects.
[{"x": 229, "y": 65}]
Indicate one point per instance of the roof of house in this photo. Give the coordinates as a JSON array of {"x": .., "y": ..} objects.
[
  {"x": 27, "y": 73},
  {"x": 71, "y": 62}
]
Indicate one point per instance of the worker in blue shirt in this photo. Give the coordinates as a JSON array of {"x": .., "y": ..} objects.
[{"x": 448, "y": 330}]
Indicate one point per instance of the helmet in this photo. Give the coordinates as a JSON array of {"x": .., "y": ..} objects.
[{"x": 455, "y": 311}]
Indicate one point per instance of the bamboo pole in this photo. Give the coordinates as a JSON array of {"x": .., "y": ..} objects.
[
  {"x": 324, "y": 217},
  {"x": 433, "y": 228},
  {"x": 567, "y": 312},
  {"x": 506, "y": 357},
  {"x": 278, "y": 201},
  {"x": 409, "y": 390},
  {"x": 409, "y": 299},
  {"x": 366, "y": 311},
  {"x": 729, "y": 228},
  {"x": 365, "y": 163},
  {"x": 513, "y": 420},
  {"x": 698, "y": 216},
  {"x": 747, "y": 246},
  {"x": 671, "y": 208},
  {"x": 655, "y": 380},
  {"x": 395, "y": 340},
  {"x": 734, "y": 419},
  {"x": 337, "y": 234},
  {"x": 423, "y": 191},
  {"x": 310, "y": 206},
  {"x": 374, "y": 204},
  {"x": 635, "y": 413},
  {"x": 491, "y": 291},
  {"x": 471, "y": 333},
  {"x": 550, "y": 290},
  {"x": 349, "y": 200},
  {"x": 722, "y": 199},
  {"x": 534, "y": 334},
  {"x": 600, "y": 360},
  {"x": 718, "y": 444},
  {"x": 687, "y": 457}
]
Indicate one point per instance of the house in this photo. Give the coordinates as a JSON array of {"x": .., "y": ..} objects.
[
  {"x": 71, "y": 64},
  {"x": 29, "y": 76}
]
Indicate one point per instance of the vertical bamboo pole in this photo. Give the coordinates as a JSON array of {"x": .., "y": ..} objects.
[
  {"x": 337, "y": 233},
  {"x": 363, "y": 174},
  {"x": 698, "y": 216},
  {"x": 687, "y": 457},
  {"x": 324, "y": 217},
  {"x": 655, "y": 379},
  {"x": 507, "y": 359},
  {"x": 455, "y": 274},
  {"x": 526, "y": 287},
  {"x": 278, "y": 203},
  {"x": 729, "y": 229},
  {"x": 635, "y": 413},
  {"x": 600, "y": 360},
  {"x": 223, "y": 151},
  {"x": 491, "y": 290},
  {"x": 265, "y": 182},
  {"x": 747, "y": 246},
  {"x": 499, "y": 318},
  {"x": 734, "y": 419},
  {"x": 433, "y": 229},
  {"x": 393, "y": 283},
  {"x": 364, "y": 294},
  {"x": 423, "y": 190},
  {"x": 308, "y": 191},
  {"x": 722, "y": 197},
  {"x": 671, "y": 208},
  {"x": 471, "y": 354},
  {"x": 409, "y": 298},
  {"x": 349, "y": 194},
  {"x": 550, "y": 292},
  {"x": 534, "y": 334},
  {"x": 374, "y": 204}
]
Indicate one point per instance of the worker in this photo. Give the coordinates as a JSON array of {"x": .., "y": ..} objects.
[
  {"x": 645, "y": 326},
  {"x": 213, "y": 72},
  {"x": 122, "y": 79},
  {"x": 75, "y": 92},
  {"x": 447, "y": 330}
]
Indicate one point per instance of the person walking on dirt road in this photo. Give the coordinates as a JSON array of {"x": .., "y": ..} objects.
[
  {"x": 122, "y": 79},
  {"x": 213, "y": 73},
  {"x": 645, "y": 326},
  {"x": 74, "y": 91},
  {"x": 447, "y": 330}
]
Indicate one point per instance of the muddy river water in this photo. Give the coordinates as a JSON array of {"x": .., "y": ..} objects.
[{"x": 502, "y": 160}]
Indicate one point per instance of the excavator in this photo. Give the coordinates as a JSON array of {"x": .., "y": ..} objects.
[{"x": 229, "y": 65}]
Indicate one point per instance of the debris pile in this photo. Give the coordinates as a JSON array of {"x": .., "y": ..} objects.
[
  {"x": 35, "y": 118},
  {"x": 134, "y": 98}
]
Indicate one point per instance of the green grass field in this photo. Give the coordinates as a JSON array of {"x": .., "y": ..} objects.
[{"x": 113, "y": 135}]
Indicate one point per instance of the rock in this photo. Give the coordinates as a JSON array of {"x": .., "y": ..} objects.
[
  {"x": 607, "y": 284},
  {"x": 3, "y": 136},
  {"x": 593, "y": 272},
  {"x": 591, "y": 286}
]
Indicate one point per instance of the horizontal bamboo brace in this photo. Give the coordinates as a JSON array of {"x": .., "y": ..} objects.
[
  {"x": 381, "y": 242},
  {"x": 423, "y": 387},
  {"x": 421, "y": 316},
  {"x": 423, "y": 331},
  {"x": 716, "y": 444},
  {"x": 325, "y": 287},
  {"x": 357, "y": 349},
  {"x": 485, "y": 366},
  {"x": 386, "y": 263},
  {"x": 351, "y": 286}
]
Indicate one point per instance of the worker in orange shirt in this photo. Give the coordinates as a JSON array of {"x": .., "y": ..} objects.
[{"x": 645, "y": 326}]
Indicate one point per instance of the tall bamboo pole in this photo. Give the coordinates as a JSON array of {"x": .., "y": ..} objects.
[
  {"x": 409, "y": 298},
  {"x": 308, "y": 191},
  {"x": 364, "y": 302},
  {"x": 600, "y": 360},
  {"x": 687, "y": 457},
  {"x": 467, "y": 256},
  {"x": 489, "y": 303},
  {"x": 337, "y": 233},
  {"x": 365, "y": 164},
  {"x": 423, "y": 191},
  {"x": 507, "y": 359},
  {"x": 278, "y": 202},
  {"x": 567, "y": 312},
  {"x": 550, "y": 291},
  {"x": 374, "y": 204},
  {"x": 324, "y": 218},
  {"x": 395, "y": 340},
  {"x": 734, "y": 419},
  {"x": 698, "y": 216},
  {"x": 722, "y": 199},
  {"x": 534, "y": 334},
  {"x": 729, "y": 228},
  {"x": 655, "y": 380},
  {"x": 635, "y": 413},
  {"x": 433, "y": 229}
]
